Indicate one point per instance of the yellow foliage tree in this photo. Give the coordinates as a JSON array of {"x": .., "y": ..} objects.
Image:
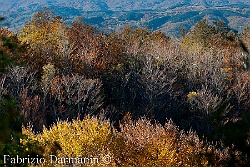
[
  {"x": 44, "y": 30},
  {"x": 46, "y": 36},
  {"x": 82, "y": 143}
]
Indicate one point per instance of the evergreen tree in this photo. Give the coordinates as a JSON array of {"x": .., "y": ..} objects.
[{"x": 10, "y": 118}]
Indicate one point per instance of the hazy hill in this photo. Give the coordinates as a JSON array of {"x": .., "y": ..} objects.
[
  {"x": 125, "y": 5},
  {"x": 111, "y": 14}
]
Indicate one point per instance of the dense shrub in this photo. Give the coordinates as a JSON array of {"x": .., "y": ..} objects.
[
  {"x": 140, "y": 143},
  {"x": 89, "y": 138},
  {"x": 150, "y": 144}
]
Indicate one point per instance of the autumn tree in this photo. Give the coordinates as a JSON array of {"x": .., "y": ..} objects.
[
  {"x": 216, "y": 62},
  {"x": 45, "y": 35},
  {"x": 206, "y": 35},
  {"x": 94, "y": 53},
  {"x": 245, "y": 38}
]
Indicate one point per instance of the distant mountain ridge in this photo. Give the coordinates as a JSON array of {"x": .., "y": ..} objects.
[
  {"x": 165, "y": 15},
  {"x": 114, "y": 5}
]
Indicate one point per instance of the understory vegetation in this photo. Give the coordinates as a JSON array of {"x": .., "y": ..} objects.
[{"x": 129, "y": 98}]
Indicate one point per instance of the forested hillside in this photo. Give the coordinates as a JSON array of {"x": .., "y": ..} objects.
[{"x": 73, "y": 95}]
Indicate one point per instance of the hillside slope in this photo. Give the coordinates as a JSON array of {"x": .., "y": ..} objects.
[{"x": 111, "y": 15}]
